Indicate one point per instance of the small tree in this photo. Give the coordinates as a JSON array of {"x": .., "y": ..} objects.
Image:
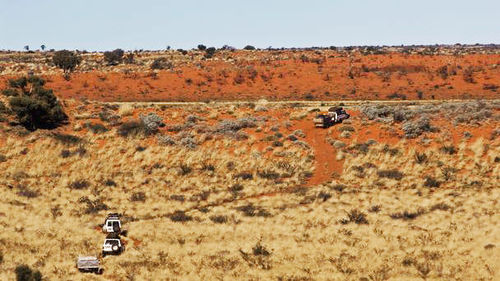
[
  {"x": 35, "y": 106},
  {"x": 114, "y": 57},
  {"x": 249, "y": 48},
  {"x": 42, "y": 47},
  {"x": 27, "y": 47},
  {"x": 202, "y": 47},
  {"x": 209, "y": 52},
  {"x": 66, "y": 60}
]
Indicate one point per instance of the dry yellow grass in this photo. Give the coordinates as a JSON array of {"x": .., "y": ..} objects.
[{"x": 413, "y": 232}]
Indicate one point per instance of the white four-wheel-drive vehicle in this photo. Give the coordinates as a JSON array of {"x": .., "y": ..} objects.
[
  {"x": 112, "y": 224},
  {"x": 333, "y": 116},
  {"x": 89, "y": 264},
  {"x": 112, "y": 246}
]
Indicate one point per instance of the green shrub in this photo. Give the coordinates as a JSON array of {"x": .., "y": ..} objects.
[
  {"x": 25, "y": 273},
  {"x": 161, "y": 63},
  {"x": 210, "y": 52},
  {"x": 35, "y": 106},
  {"x": 407, "y": 215},
  {"x": 448, "y": 149},
  {"x": 79, "y": 184},
  {"x": 249, "y": 48},
  {"x": 66, "y": 60},
  {"x": 138, "y": 197},
  {"x": 355, "y": 216},
  {"x": 390, "y": 174},
  {"x": 431, "y": 182},
  {"x": 131, "y": 128},
  {"x": 180, "y": 216},
  {"x": 66, "y": 138},
  {"x": 114, "y": 57},
  {"x": 218, "y": 218},
  {"x": 96, "y": 128},
  {"x": 253, "y": 211}
]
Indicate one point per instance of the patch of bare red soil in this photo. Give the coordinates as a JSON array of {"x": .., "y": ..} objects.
[{"x": 324, "y": 76}]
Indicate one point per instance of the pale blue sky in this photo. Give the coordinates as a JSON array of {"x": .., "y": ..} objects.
[{"x": 149, "y": 24}]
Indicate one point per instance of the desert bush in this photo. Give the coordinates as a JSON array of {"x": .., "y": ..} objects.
[
  {"x": 3, "y": 158},
  {"x": 401, "y": 114},
  {"x": 440, "y": 206},
  {"x": 131, "y": 128},
  {"x": 249, "y": 48},
  {"x": 177, "y": 197},
  {"x": 396, "y": 96},
  {"x": 355, "y": 216},
  {"x": 375, "y": 209},
  {"x": 219, "y": 219},
  {"x": 260, "y": 250},
  {"x": 431, "y": 182},
  {"x": 420, "y": 157},
  {"x": 114, "y": 57},
  {"x": 188, "y": 142},
  {"x": 299, "y": 133},
  {"x": 129, "y": 58},
  {"x": 166, "y": 140},
  {"x": 25, "y": 273},
  {"x": 448, "y": 149},
  {"x": 390, "y": 174},
  {"x": 377, "y": 111},
  {"x": 363, "y": 148},
  {"x": 346, "y": 129},
  {"x": 324, "y": 196},
  {"x": 35, "y": 106},
  {"x": 338, "y": 187},
  {"x": 202, "y": 47},
  {"x": 468, "y": 75},
  {"x": 24, "y": 191},
  {"x": 210, "y": 52},
  {"x": 229, "y": 126},
  {"x": 66, "y": 60},
  {"x": 184, "y": 169},
  {"x": 138, "y": 197},
  {"x": 270, "y": 175},
  {"x": 277, "y": 143},
  {"x": 96, "y": 128},
  {"x": 443, "y": 72},
  {"x": 151, "y": 122},
  {"x": 250, "y": 210},
  {"x": 66, "y": 138},
  {"x": 236, "y": 188},
  {"x": 3, "y": 108},
  {"x": 244, "y": 176},
  {"x": 413, "y": 129},
  {"x": 470, "y": 112},
  {"x": 407, "y": 215},
  {"x": 389, "y": 150},
  {"x": 92, "y": 206},
  {"x": 109, "y": 182},
  {"x": 161, "y": 63},
  {"x": 79, "y": 184},
  {"x": 180, "y": 216}
]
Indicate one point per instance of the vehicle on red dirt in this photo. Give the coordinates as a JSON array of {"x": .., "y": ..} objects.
[{"x": 331, "y": 117}]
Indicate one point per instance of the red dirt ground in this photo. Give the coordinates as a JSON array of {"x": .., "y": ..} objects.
[{"x": 328, "y": 76}]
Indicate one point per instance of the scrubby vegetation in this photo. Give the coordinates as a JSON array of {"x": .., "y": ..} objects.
[
  {"x": 212, "y": 190},
  {"x": 66, "y": 60},
  {"x": 114, "y": 57},
  {"x": 35, "y": 106}
]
